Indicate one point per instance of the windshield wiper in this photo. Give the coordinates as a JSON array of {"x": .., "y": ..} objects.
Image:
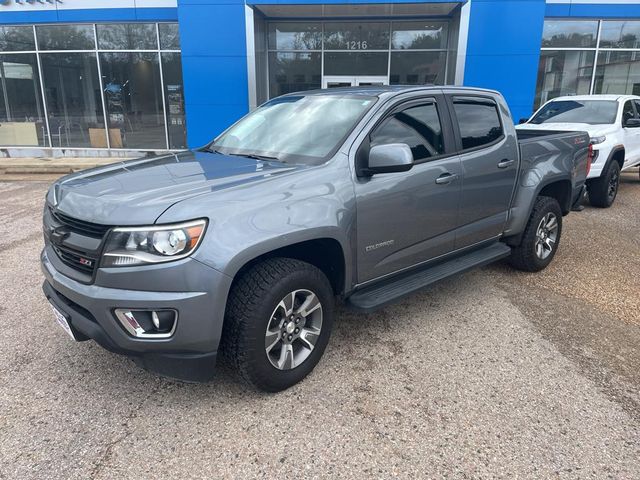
[
  {"x": 255, "y": 156},
  {"x": 210, "y": 150}
]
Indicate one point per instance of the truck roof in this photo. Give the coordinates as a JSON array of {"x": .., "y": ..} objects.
[
  {"x": 387, "y": 90},
  {"x": 610, "y": 97}
]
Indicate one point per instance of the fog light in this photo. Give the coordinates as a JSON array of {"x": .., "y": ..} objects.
[{"x": 148, "y": 323}]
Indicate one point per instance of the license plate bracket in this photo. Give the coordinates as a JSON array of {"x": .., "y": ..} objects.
[{"x": 63, "y": 321}]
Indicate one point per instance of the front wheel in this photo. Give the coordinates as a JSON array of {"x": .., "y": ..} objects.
[
  {"x": 540, "y": 238},
  {"x": 278, "y": 322},
  {"x": 603, "y": 190}
]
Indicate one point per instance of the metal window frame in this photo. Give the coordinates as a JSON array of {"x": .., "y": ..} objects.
[
  {"x": 597, "y": 49},
  {"x": 322, "y": 50},
  {"x": 96, "y": 51}
]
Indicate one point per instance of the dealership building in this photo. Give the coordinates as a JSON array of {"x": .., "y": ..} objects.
[{"x": 93, "y": 77}]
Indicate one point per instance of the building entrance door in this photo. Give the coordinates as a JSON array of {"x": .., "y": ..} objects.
[{"x": 333, "y": 81}]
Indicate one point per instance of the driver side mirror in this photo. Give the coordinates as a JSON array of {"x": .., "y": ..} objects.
[
  {"x": 523, "y": 120},
  {"x": 632, "y": 123},
  {"x": 389, "y": 158}
]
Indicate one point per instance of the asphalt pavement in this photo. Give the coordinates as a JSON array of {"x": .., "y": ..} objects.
[{"x": 494, "y": 374}]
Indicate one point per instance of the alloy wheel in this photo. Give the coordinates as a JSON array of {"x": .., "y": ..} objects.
[
  {"x": 546, "y": 236},
  {"x": 293, "y": 330}
]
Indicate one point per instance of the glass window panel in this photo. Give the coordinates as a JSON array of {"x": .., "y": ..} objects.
[
  {"x": 21, "y": 112},
  {"x": 618, "y": 72},
  {"x": 628, "y": 111},
  {"x": 563, "y": 73},
  {"x": 74, "y": 106},
  {"x": 569, "y": 33},
  {"x": 297, "y": 129},
  {"x": 133, "y": 98},
  {"x": 356, "y": 63},
  {"x": 416, "y": 35},
  {"x": 16, "y": 38},
  {"x": 295, "y": 36},
  {"x": 419, "y": 127},
  {"x": 174, "y": 99},
  {"x": 65, "y": 37},
  {"x": 356, "y": 36},
  {"x": 293, "y": 72},
  {"x": 169, "y": 36},
  {"x": 593, "y": 112},
  {"x": 622, "y": 34},
  {"x": 417, "y": 68},
  {"x": 127, "y": 36},
  {"x": 479, "y": 123}
]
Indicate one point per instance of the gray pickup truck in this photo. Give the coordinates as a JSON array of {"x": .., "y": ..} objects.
[{"x": 242, "y": 247}]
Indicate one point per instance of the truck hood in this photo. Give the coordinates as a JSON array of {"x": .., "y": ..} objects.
[
  {"x": 137, "y": 192},
  {"x": 592, "y": 130}
]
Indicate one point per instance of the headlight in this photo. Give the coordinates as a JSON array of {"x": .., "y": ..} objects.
[
  {"x": 154, "y": 244},
  {"x": 597, "y": 140}
]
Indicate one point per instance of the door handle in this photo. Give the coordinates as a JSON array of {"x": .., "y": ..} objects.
[
  {"x": 446, "y": 178},
  {"x": 506, "y": 163}
]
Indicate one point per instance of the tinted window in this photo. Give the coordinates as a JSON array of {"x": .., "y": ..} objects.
[
  {"x": 419, "y": 127},
  {"x": 620, "y": 34},
  {"x": 478, "y": 121},
  {"x": 421, "y": 35},
  {"x": 627, "y": 112},
  {"x": 16, "y": 38},
  {"x": 637, "y": 102},
  {"x": 295, "y": 36},
  {"x": 65, "y": 37},
  {"x": 569, "y": 33},
  {"x": 127, "y": 36},
  {"x": 417, "y": 68},
  {"x": 293, "y": 72},
  {"x": 169, "y": 36},
  {"x": 591, "y": 112},
  {"x": 356, "y": 36},
  {"x": 617, "y": 72},
  {"x": 356, "y": 63}
]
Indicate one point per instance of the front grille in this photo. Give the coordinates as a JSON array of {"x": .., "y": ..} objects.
[
  {"x": 81, "y": 227},
  {"x": 76, "y": 260}
]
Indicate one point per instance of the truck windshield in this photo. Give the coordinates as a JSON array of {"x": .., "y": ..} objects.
[
  {"x": 592, "y": 112},
  {"x": 295, "y": 129}
]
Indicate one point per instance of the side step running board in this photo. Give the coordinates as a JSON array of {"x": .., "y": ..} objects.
[{"x": 378, "y": 295}]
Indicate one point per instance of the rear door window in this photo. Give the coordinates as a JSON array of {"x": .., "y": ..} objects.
[
  {"x": 417, "y": 126},
  {"x": 478, "y": 121}
]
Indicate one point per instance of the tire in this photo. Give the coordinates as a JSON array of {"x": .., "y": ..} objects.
[
  {"x": 603, "y": 190},
  {"x": 265, "y": 300},
  {"x": 526, "y": 256}
]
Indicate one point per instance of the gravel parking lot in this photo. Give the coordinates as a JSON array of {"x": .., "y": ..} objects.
[{"x": 493, "y": 374}]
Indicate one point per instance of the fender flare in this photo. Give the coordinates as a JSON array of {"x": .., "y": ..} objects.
[
  {"x": 266, "y": 246},
  {"x": 612, "y": 153},
  {"x": 516, "y": 239}
]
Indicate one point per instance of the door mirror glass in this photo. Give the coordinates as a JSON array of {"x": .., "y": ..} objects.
[
  {"x": 388, "y": 158},
  {"x": 632, "y": 122}
]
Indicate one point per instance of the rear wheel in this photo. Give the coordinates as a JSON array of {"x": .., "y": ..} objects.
[
  {"x": 540, "y": 238},
  {"x": 603, "y": 190},
  {"x": 278, "y": 323}
]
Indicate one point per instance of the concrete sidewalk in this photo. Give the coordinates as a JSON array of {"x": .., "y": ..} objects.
[{"x": 47, "y": 169}]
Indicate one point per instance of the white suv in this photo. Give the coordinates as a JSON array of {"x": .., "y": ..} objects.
[{"x": 612, "y": 122}]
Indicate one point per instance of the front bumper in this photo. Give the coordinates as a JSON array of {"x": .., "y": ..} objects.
[{"x": 196, "y": 291}]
